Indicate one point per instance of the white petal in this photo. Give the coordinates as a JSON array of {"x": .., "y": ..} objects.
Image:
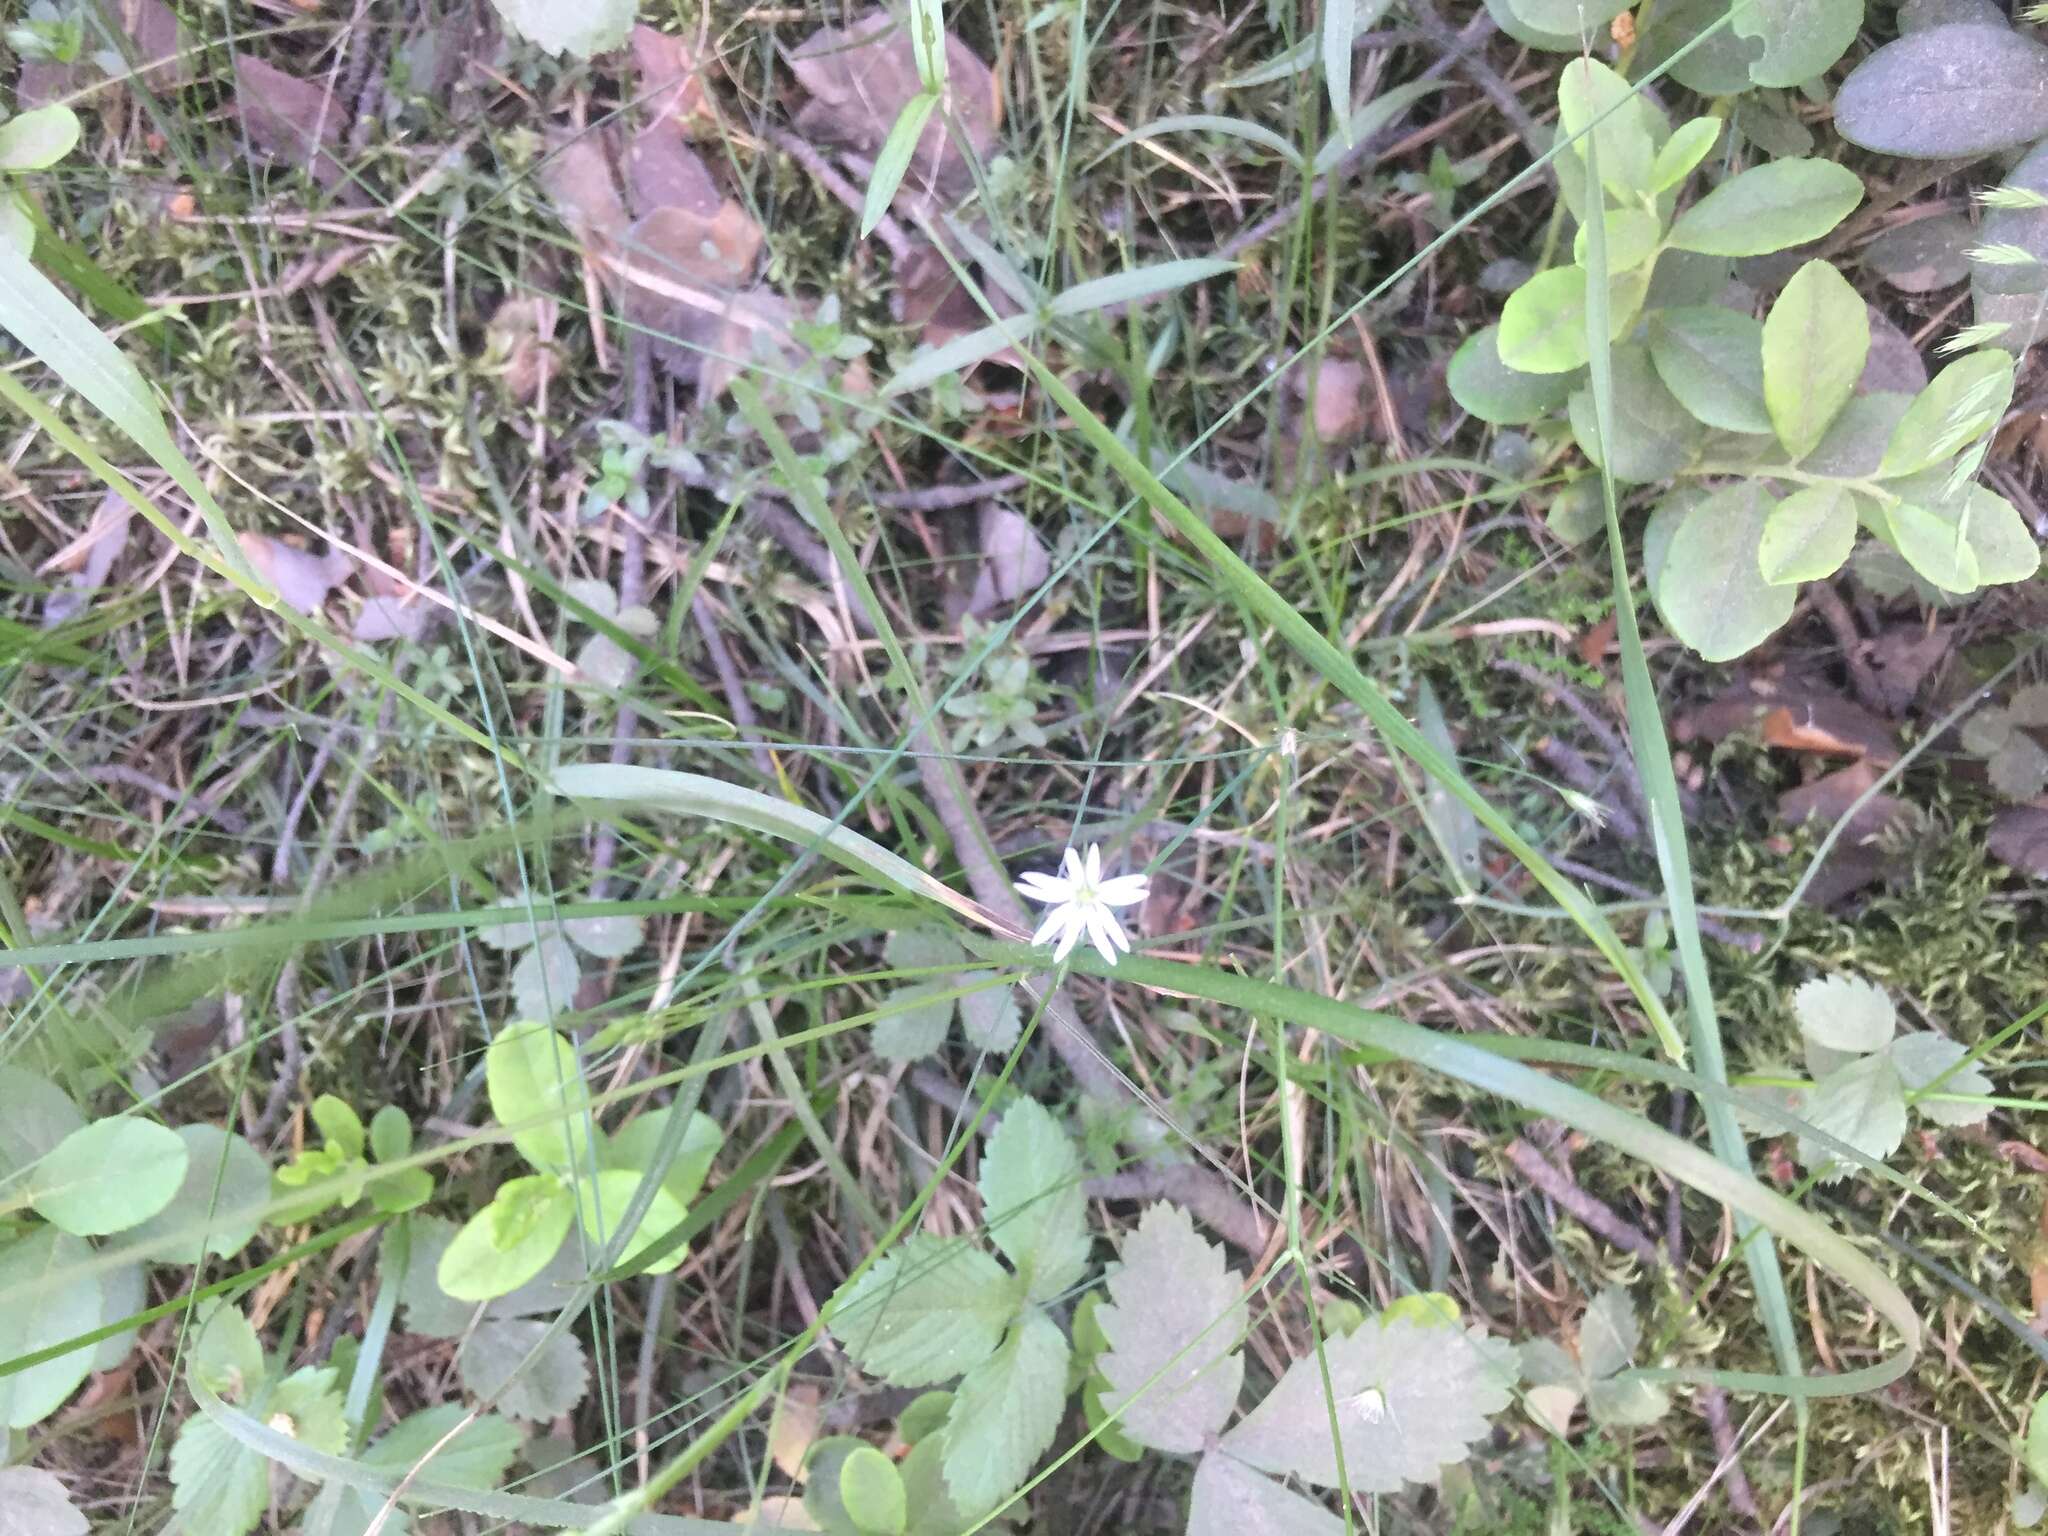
[
  {"x": 1124, "y": 891},
  {"x": 1072, "y": 867},
  {"x": 1095, "y": 863},
  {"x": 1098, "y": 934},
  {"x": 1055, "y": 921},
  {"x": 1043, "y": 887},
  {"x": 1071, "y": 920},
  {"x": 1116, "y": 930}
]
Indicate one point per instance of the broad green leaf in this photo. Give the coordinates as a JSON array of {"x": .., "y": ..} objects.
[
  {"x": 479, "y": 1455},
  {"x": 108, "y": 1176},
  {"x": 339, "y": 1125},
  {"x": 1845, "y": 1015},
  {"x": 923, "y": 949},
  {"x": 1861, "y": 1105},
  {"x": 48, "y": 1293},
  {"x": 1488, "y": 388},
  {"x": 1815, "y": 340},
  {"x": 1568, "y": 18},
  {"x": 602, "y": 1203},
  {"x": 913, "y": 1020},
  {"x": 218, "y": 1206},
  {"x": 509, "y": 1241},
  {"x": 1543, "y": 325},
  {"x": 1936, "y": 546},
  {"x": 1230, "y": 1499},
  {"x": 390, "y": 1134},
  {"x": 1854, "y": 444},
  {"x": 499, "y": 1365},
  {"x": 1579, "y": 511},
  {"x": 1711, "y": 589},
  {"x": 636, "y": 1144},
  {"x": 932, "y": 1510},
  {"x": 1959, "y": 405},
  {"x": 1921, "y": 1058},
  {"x": 537, "y": 1090},
  {"x": 1032, "y": 1199},
  {"x": 1949, "y": 92},
  {"x": 871, "y": 1492},
  {"x": 1172, "y": 1324},
  {"x": 35, "y": 1115},
  {"x": 1712, "y": 360},
  {"x": 429, "y": 1310},
  {"x": 37, "y": 140},
  {"x": 218, "y": 1485},
  {"x": 822, "y": 1499},
  {"x": 2005, "y": 547},
  {"x": 1802, "y": 38},
  {"x": 34, "y": 1503},
  {"x": 1136, "y": 285},
  {"x": 1410, "y": 1399},
  {"x": 1337, "y": 25},
  {"x": 893, "y": 159},
  {"x": 989, "y": 1017},
  {"x": 1006, "y": 1413},
  {"x": 1609, "y": 1333},
  {"x": 545, "y": 980},
  {"x": 1632, "y": 236},
  {"x": 124, "y": 1292},
  {"x": 1769, "y": 208},
  {"x": 225, "y": 1353},
  {"x": 1545, "y": 1364},
  {"x": 1682, "y": 153},
  {"x": 1593, "y": 99},
  {"x": 581, "y": 28},
  {"x": 1702, "y": 54},
  {"x": 1808, "y": 536},
  {"x": 925, "y": 1313},
  {"x": 1654, "y": 435}
]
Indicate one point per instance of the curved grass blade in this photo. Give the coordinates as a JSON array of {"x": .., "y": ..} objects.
[{"x": 1207, "y": 122}]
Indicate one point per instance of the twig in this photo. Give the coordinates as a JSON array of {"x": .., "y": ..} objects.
[
  {"x": 940, "y": 498},
  {"x": 1462, "y": 49},
  {"x": 729, "y": 680},
  {"x": 1752, "y": 942},
  {"x": 1590, "y": 1211},
  {"x": 1199, "y": 1190},
  {"x": 1570, "y": 764},
  {"x": 886, "y": 228},
  {"x": 1827, "y": 602}
]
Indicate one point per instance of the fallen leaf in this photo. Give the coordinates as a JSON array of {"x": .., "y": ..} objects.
[
  {"x": 1340, "y": 400},
  {"x": 520, "y": 339},
  {"x": 794, "y": 1428},
  {"x": 1831, "y": 726},
  {"x": 577, "y": 175},
  {"x": 301, "y": 579},
  {"x": 663, "y": 172},
  {"x": 153, "y": 40},
  {"x": 2018, "y": 839},
  {"x": 860, "y": 77},
  {"x": 289, "y": 119},
  {"x": 1830, "y": 797},
  {"x": 1903, "y": 656},
  {"x": 1593, "y": 645},
  {"x": 387, "y": 618},
  {"x": 1014, "y": 560},
  {"x": 671, "y": 81},
  {"x": 88, "y": 558}
]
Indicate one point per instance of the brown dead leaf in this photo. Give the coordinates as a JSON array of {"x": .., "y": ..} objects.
[
  {"x": 521, "y": 342},
  {"x": 1830, "y": 797},
  {"x": 1340, "y": 400},
  {"x": 301, "y": 579},
  {"x": 1903, "y": 656},
  {"x": 2018, "y": 839},
  {"x": 289, "y": 120},
  {"x": 672, "y": 89},
  {"x": 861, "y": 75},
  {"x": 577, "y": 175},
  {"x": 89, "y": 559},
  {"x": 664, "y": 172},
  {"x": 152, "y": 34},
  {"x": 1014, "y": 561},
  {"x": 1593, "y": 645},
  {"x": 1831, "y": 726},
  {"x": 795, "y": 1428}
]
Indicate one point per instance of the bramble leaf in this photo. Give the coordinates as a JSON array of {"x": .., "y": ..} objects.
[
  {"x": 1006, "y": 1412},
  {"x": 1032, "y": 1200},
  {"x": 1862, "y": 1105},
  {"x": 1172, "y": 1323},
  {"x": 925, "y": 1313},
  {"x": 1230, "y": 1499},
  {"x": 494, "y": 1367},
  {"x": 1921, "y": 1057}
]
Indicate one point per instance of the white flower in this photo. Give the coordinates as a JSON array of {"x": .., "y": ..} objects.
[{"x": 1083, "y": 902}]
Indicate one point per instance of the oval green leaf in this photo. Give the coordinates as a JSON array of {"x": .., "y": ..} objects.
[
  {"x": 1712, "y": 360},
  {"x": 509, "y": 1241},
  {"x": 602, "y": 1204},
  {"x": 872, "y": 1494},
  {"x": 1543, "y": 325},
  {"x": 1683, "y": 151},
  {"x": 1489, "y": 389},
  {"x": 37, "y": 140},
  {"x": 1959, "y": 405},
  {"x": 1593, "y": 99},
  {"x": 1808, "y": 535},
  {"x": 537, "y": 1090},
  {"x": 108, "y": 1176},
  {"x": 1816, "y": 338},
  {"x": 1770, "y": 208},
  {"x": 1711, "y": 588},
  {"x": 217, "y": 1207},
  {"x": 1951, "y": 91}
]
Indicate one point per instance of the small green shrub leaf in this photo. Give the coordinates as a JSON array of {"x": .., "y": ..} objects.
[
  {"x": 1712, "y": 360},
  {"x": 1593, "y": 99},
  {"x": 1626, "y": 1402},
  {"x": 1769, "y": 208},
  {"x": 509, "y": 1241},
  {"x": 536, "y": 1088},
  {"x": 602, "y": 1203},
  {"x": 1959, "y": 405},
  {"x": 544, "y": 981},
  {"x": 605, "y": 938},
  {"x": 1808, "y": 536},
  {"x": 35, "y": 1115},
  {"x": 913, "y": 1020},
  {"x": 2037, "y": 1439},
  {"x": 1682, "y": 153},
  {"x": 1230, "y": 1499},
  {"x": 1006, "y": 1412},
  {"x": 217, "y": 1207},
  {"x": 37, "y": 140},
  {"x": 1710, "y": 588},
  {"x": 1410, "y": 1398},
  {"x": 108, "y": 1176},
  {"x": 871, "y": 1492},
  {"x": 1489, "y": 389},
  {"x": 1842, "y": 1017},
  {"x": 1032, "y": 1199},
  {"x": 637, "y": 1143},
  {"x": 1935, "y": 546},
  {"x": 52, "y": 1295},
  {"x": 1953, "y": 91},
  {"x": 479, "y": 1455},
  {"x": 1801, "y": 38},
  {"x": 1861, "y": 1105},
  {"x": 1815, "y": 340},
  {"x": 340, "y": 1126},
  {"x": 1543, "y": 325},
  {"x": 1172, "y": 1324},
  {"x": 925, "y": 1313},
  {"x": 1654, "y": 435}
]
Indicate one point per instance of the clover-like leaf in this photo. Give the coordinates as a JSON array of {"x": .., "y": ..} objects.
[
  {"x": 1840, "y": 1017},
  {"x": 1032, "y": 1200},
  {"x": 1862, "y": 1105},
  {"x": 925, "y": 1313},
  {"x": 1172, "y": 1322},
  {"x": 1410, "y": 1399}
]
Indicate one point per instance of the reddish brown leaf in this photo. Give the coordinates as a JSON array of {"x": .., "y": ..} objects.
[
  {"x": 153, "y": 41},
  {"x": 289, "y": 119},
  {"x": 2018, "y": 839},
  {"x": 1831, "y": 796},
  {"x": 672, "y": 90}
]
